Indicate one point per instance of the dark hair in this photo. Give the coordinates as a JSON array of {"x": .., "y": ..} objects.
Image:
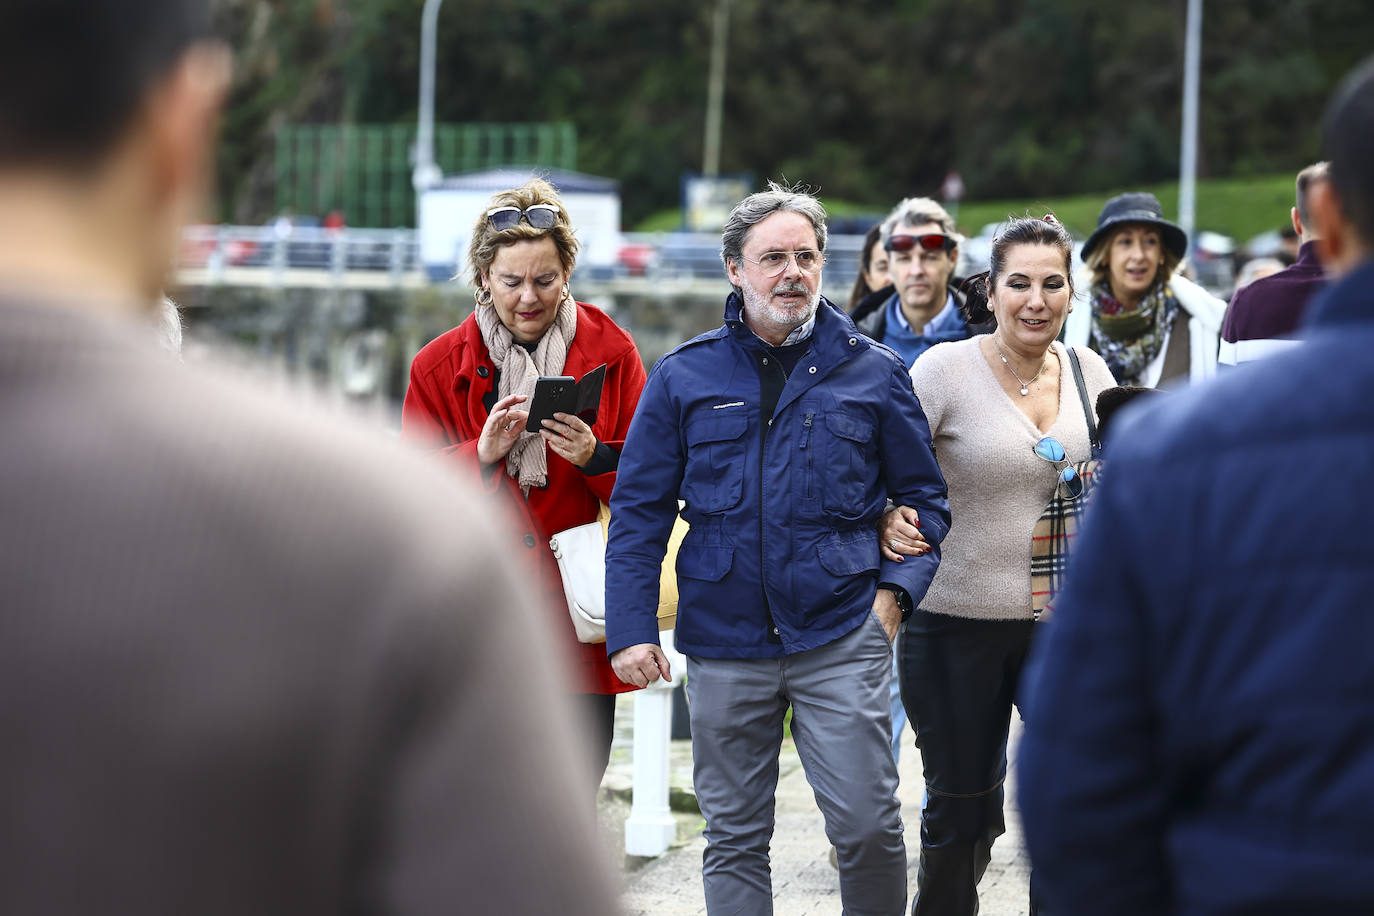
[
  {"x": 1348, "y": 142},
  {"x": 861, "y": 287},
  {"x": 1111, "y": 400},
  {"x": 74, "y": 73},
  {"x": 1019, "y": 231}
]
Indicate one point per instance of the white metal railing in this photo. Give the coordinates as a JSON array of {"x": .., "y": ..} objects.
[
  {"x": 273, "y": 250},
  {"x": 279, "y": 255}
]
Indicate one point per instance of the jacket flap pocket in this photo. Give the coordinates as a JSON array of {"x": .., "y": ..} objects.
[
  {"x": 717, "y": 428},
  {"x": 847, "y": 427},
  {"x": 708, "y": 563},
  {"x": 849, "y": 553}
]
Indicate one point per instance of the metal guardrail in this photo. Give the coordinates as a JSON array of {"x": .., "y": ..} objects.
[
  {"x": 213, "y": 254},
  {"x": 371, "y": 258}
]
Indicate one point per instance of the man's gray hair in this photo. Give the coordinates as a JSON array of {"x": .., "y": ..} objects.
[
  {"x": 759, "y": 206},
  {"x": 917, "y": 211}
]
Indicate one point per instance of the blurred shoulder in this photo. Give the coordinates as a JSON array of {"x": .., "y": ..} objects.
[
  {"x": 295, "y": 458},
  {"x": 1284, "y": 399}
]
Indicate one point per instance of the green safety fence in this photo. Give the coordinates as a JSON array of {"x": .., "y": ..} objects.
[{"x": 364, "y": 170}]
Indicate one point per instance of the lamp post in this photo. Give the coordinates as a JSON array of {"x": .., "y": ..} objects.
[
  {"x": 715, "y": 89},
  {"x": 426, "y": 174},
  {"x": 1187, "y": 179}
]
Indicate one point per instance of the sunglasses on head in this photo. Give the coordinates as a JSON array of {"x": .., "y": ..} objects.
[
  {"x": 932, "y": 241},
  {"x": 1070, "y": 483},
  {"x": 540, "y": 216}
]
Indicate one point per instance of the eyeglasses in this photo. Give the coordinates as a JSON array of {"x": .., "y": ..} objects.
[
  {"x": 932, "y": 241},
  {"x": 540, "y": 216},
  {"x": 1070, "y": 484},
  {"x": 773, "y": 263}
]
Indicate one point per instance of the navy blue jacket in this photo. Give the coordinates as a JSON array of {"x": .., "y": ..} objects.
[
  {"x": 1200, "y": 732},
  {"x": 782, "y": 552}
]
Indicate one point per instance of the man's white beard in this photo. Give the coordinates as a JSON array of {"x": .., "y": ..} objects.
[{"x": 761, "y": 309}]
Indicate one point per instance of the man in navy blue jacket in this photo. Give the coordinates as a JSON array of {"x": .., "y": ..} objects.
[
  {"x": 1200, "y": 736},
  {"x": 784, "y": 433}
]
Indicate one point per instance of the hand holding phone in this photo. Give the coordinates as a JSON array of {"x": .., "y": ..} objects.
[{"x": 562, "y": 394}]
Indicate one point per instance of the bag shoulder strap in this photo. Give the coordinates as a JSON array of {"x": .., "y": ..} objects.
[{"x": 1088, "y": 413}]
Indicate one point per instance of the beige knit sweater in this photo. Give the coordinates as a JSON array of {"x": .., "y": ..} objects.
[{"x": 997, "y": 485}]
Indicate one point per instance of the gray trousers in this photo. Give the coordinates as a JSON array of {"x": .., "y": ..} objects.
[{"x": 842, "y": 728}]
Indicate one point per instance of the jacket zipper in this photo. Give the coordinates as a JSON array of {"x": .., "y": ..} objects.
[{"x": 763, "y": 504}]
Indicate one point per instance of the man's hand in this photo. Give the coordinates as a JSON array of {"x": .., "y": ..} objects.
[
  {"x": 888, "y": 611},
  {"x": 899, "y": 533},
  {"x": 645, "y": 663}
]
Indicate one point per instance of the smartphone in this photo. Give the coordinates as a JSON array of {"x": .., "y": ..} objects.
[{"x": 552, "y": 394}]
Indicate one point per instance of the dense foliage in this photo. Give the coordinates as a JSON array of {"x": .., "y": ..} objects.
[{"x": 869, "y": 99}]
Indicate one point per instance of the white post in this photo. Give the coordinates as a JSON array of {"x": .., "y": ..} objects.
[
  {"x": 1187, "y": 178},
  {"x": 650, "y": 829}
]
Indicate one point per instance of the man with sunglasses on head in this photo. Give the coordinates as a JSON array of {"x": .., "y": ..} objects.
[
  {"x": 784, "y": 433},
  {"x": 921, "y": 308}
]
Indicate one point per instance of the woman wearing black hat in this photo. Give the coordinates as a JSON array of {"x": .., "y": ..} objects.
[{"x": 1149, "y": 325}]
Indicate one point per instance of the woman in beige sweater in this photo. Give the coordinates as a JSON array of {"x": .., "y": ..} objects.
[{"x": 989, "y": 400}]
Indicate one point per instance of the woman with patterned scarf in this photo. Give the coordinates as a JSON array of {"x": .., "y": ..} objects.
[
  {"x": 1149, "y": 325},
  {"x": 468, "y": 399}
]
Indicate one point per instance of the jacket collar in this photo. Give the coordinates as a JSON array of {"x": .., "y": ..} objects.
[
  {"x": 1307, "y": 258},
  {"x": 874, "y": 301},
  {"x": 829, "y": 338},
  {"x": 1349, "y": 300}
]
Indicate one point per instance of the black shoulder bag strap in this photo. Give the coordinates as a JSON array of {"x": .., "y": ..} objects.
[{"x": 1088, "y": 412}]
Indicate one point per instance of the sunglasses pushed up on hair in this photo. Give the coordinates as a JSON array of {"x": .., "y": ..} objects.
[
  {"x": 540, "y": 216},
  {"x": 931, "y": 241}
]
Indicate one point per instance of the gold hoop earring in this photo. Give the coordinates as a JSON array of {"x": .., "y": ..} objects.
[{"x": 477, "y": 294}]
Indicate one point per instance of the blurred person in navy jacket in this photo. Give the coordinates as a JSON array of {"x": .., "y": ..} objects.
[{"x": 1200, "y": 736}]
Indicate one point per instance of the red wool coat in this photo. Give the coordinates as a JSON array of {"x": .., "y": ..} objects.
[{"x": 444, "y": 413}]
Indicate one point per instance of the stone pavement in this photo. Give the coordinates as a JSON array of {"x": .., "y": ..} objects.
[{"x": 804, "y": 883}]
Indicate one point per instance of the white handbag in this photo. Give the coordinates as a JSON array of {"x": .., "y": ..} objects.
[{"x": 581, "y": 555}]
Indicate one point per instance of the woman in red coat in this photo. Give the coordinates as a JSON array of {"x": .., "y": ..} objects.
[{"x": 469, "y": 389}]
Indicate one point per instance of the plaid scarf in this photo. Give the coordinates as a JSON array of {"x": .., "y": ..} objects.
[
  {"x": 1129, "y": 339},
  {"x": 1053, "y": 537}
]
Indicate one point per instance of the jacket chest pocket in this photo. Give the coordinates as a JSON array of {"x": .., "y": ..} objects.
[
  {"x": 847, "y": 445},
  {"x": 713, "y": 479}
]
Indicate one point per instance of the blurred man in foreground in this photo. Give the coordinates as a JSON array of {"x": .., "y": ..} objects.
[
  {"x": 1201, "y": 737},
  {"x": 251, "y": 661}
]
